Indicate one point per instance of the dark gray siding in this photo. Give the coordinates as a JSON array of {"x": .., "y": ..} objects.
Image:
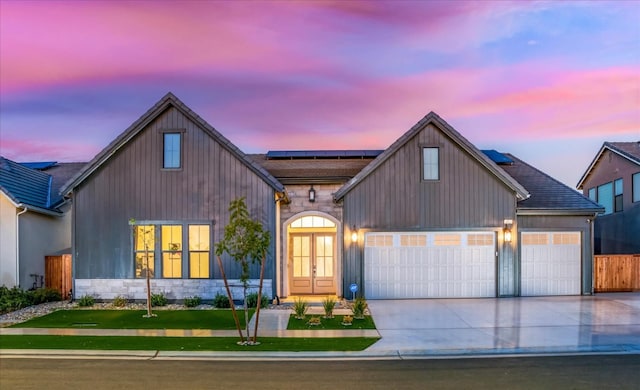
[
  {"x": 394, "y": 197},
  {"x": 548, "y": 223},
  {"x": 132, "y": 184}
]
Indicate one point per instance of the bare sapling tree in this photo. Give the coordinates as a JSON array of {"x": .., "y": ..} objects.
[{"x": 247, "y": 243}]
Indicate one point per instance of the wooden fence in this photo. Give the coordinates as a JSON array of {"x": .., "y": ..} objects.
[
  {"x": 57, "y": 273},
  {"x": 616, "y": 273}
]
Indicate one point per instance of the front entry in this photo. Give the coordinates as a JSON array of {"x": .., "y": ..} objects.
[{"x": 312, "y": 260}]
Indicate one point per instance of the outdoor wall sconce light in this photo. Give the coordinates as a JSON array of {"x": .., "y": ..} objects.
[
  {"x": 354, "y": 234},
  {"x": 312, "y": 195},
  {"x": 507, "y": 229}
]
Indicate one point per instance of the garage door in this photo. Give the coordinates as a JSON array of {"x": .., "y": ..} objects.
[
  {"x": 550, "y": 263},
  {"x": 430, "y": 265}
]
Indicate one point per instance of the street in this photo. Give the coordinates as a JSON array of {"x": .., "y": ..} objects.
[{"x": 563, "y": 372}]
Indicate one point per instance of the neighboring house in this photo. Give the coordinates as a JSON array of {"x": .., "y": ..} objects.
[
  {"x": 34, "y": 219},
  {"x": 431, "y": 216},
  {"x": 613, "y": 180}
]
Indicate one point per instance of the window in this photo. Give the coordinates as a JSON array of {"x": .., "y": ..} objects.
[
  {"x": 430, "y": 164},
  {"x": 605, "y": 197},
  {"x": 144, "y": 246},
  {"x": 617, "y": 200},
  {"x": 172, "y": 149},
  {"x": 199, "y": 245},
  {"x": 413, "y": 240},
  {"x": 171, "y": 251},
  {"x": 592, "y": 194},
  {"x": 635, "y": 179},
  {"x": 447, "y": 240}
]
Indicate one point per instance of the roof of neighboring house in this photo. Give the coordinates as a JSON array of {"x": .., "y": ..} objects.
[
  {"x": 443, "y": 126},
  {"x": 26, "y": 186},
  {"x": 168, "y": 100},
  {"x": 546, "y": 193},
  {"x": 627, "y": 150},
  {"x": 315, "y": 166},
  {"x": 61, "y": 173}
]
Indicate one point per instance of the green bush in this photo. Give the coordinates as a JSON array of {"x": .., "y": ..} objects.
[
  {"x": 221, "y": 301},
  {"x": 158, "y": 300},
  {"x": 86, "y": 301},
  {"x": 252, "y": 300},
  {"x": 358, "y": 307},
  {"x": 12, "y": 299},
  {"x": 119, "y": 301},
  {"x": 45, "y": 294},
  {"x": 192, "y": 301}
]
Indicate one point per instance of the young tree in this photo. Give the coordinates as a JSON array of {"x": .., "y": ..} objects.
[
  {"x": 147, "y": 240},
  {"x": 247, "y": 243}
]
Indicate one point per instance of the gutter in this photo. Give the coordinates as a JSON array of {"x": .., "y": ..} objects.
[
  {"x": 575, "y": 212},
  {"x": 24, "y": 210}
]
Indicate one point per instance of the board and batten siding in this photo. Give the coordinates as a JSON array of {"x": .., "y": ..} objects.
[
  {"x": 132, "y": 184},
  {"x": 551, "y": 223},
  {"x": 395, "y": 198}
]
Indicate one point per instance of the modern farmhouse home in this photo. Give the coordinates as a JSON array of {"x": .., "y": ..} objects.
[{"x": 430, "y": 216}]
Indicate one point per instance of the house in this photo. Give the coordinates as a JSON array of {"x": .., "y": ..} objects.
[
  {"x": 34, "y": 219},
  {"x": 430, "y": 216},
  {"x": 613, "y": 180}
]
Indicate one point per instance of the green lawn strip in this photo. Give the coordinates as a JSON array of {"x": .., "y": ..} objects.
[
  {"x": 183, "y": 343},
  {"x": 133, "y": 319},
  {"x": 329, "y": 323}
]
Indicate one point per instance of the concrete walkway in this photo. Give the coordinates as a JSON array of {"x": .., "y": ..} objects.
[{"x": 605, "y": 323}]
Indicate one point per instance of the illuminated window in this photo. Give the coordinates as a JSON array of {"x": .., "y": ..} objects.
[
  {"x": 172, "y": 150},
  {"x": 535, "y": 239},
  {"x": 312, "y": 221},
  {"x": 479, "y": 239},
  {"x": 171, "y": 251},
  {"x": 199, "y": 245},
  {"x": 379, "y": 240},
  {"x": 430, "y": 164},
  {"x": 447, "y": 240},
  {"x": 144, "y": 250},
  {"x": 413, "y": 240}
]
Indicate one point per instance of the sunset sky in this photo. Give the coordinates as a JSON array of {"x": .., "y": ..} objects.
[{"x": 546, "y": 81}]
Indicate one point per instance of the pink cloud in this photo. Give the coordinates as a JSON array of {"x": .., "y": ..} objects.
[{"x": 23, "y": 150}]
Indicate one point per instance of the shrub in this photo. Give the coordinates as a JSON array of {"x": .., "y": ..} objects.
[
  {"x": 45, "y": 294},
  {"x": 158, "y": 300},
  {"x": 119, "y": 301},
  {"x": 221, "y": 301},
  {"x": 358, "y": 307},
  {"x": 192, "y": 301},
  {"x": 252, "y": 300},
  {"x": 12, "y": 299},
  {"x": 328, "y": 304},
  {"x": 314, "y": 321},
  {"x": 86, "y": 301},
  {"x": 300, "y": 307}
]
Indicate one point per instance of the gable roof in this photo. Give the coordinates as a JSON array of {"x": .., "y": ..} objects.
[
  {"x": 26, "y": 187},
  {"x": 167, "y": 101},
  {"x": 627, "y": 150},
  {"x": 548, "y": 195},
  {"x": 444, "y": 127}
]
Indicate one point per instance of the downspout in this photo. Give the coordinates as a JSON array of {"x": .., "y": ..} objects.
[
  {"x": 24, "y": 210},
  {"x": 278, "y": 260}
]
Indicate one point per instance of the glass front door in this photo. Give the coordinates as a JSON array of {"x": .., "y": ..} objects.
[{"x": 312, "y": 263}]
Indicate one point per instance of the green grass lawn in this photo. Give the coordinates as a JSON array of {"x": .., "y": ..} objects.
[
  {"x": 133, "y": 319},
  {"x": 331, "y": 323},
  {"x": 184, "y": 343}
]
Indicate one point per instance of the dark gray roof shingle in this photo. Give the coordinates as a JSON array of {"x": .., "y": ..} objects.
[
  {"x": 547, "y": 193},
  {"x": 25, "y": 185}
]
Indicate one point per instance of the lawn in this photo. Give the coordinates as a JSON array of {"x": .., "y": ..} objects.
[
  {"x": 184, "y": 343},
  {"x": 133, "y": 319},
  {"x": 329, "y": 323}
]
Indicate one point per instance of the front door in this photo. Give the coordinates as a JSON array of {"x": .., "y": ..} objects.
[{"x": 312, "y": 261}]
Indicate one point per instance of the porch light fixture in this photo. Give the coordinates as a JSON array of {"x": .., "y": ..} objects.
[
  {"x": 507, "y": 229},
  {"x": 312, "y": 195},
  {"x": 354, "y": 234}
]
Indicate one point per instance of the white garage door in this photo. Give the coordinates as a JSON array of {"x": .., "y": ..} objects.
[
  {"x": 430, "y": 265},
  {"x": 550, "y": 263}
]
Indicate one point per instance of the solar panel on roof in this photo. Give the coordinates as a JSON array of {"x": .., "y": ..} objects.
[
  {"x": 39, "y": 165},
  {"x": 310, "y": 154},
  {"x": 497, "y": 157}
]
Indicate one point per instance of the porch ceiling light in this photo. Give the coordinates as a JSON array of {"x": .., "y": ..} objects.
[
  {"x": 354, "y": 234},
  {"x": 312, "y": 195},
  {"x": 507, "y": 229}
]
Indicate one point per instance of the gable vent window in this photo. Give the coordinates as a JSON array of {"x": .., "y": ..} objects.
[
  {"x": 172, "y": 150},
  {"x": 430, "y": 164}
]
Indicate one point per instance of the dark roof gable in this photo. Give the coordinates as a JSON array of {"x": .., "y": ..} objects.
[
  {"x": 443, "y": 126},
  {"x": 26, "y": 186},
  {"x": 627, "y": 150},
  {"x": 168, "y": 100}
]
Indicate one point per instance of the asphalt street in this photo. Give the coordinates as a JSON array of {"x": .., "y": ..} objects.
[{"x": 557, "y": 372}]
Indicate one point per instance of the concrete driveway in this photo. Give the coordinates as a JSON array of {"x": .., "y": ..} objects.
[{"x": 600, "y": 323}]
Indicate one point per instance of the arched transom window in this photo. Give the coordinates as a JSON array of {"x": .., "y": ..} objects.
[{"x": 312, "y": 221}]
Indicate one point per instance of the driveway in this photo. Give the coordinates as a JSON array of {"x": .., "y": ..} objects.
[{"x": 604, "y": 322}]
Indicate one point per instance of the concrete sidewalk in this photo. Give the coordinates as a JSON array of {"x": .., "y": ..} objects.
[{"x": 422, "y": 328}]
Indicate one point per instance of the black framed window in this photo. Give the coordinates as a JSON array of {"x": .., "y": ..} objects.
[{"x": 172, "y": 150}]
